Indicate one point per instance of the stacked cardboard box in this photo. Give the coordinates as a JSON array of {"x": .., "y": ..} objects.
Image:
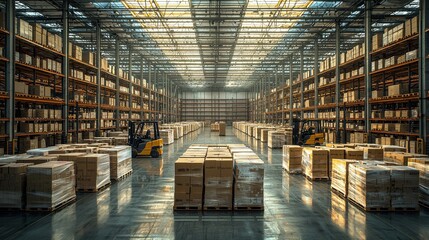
[
  {"x": 249, "y": 182},
  {"x": 218, "y": 178},
  {"x": 404, "y": 190},
  {"x": 292, "y": 157},
  {"x": 422, "y": 165},
  {"x": 338, "y": 153},
  {"x": 276, "y": 139},
  {"x": 50, "y": 184},
  {"x": 222, "y": 128},
  {"x": 369, "y": 185},
  {"x": 339, "y": 179},
  {"x": 372, "y": 153},
  {"x": 120, "y": 160},
  {"x": 93, "y": 171},
  {"x": 13, "y": 185},
  {"x": 354, "y": 154},
  {"x": 401, "y": 158},
  {"x": 214, "y": 127},
  {"x": 188, "y": 180},
  {"x": 167, "y": 136},
  {"x": 315, "y": 163},
  {"x": 264, "y": 134}
]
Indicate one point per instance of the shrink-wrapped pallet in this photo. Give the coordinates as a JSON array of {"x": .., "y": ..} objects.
[
  {"x": 264, "y": 134},
  {"x": 50, "y": 184},
  {"x": 401, "y": 158},
  {"x": 338, "y": 153},
  {"x": 276, "y": 139},
  {"x": 93, "y": 171},
  {"x": 369, "y": 186},
  {"x": 120, "y": 160},
  {"x": 292, "y": 157},
  {"x": 372, "y": 153},
  {"x": 188, "y": 183},
  {"x": 13, "y": 181},
  {"x": 222, "y": 128},
  {"x": 218, "y": 182},
  {"x": 404, "y": 192},
  {"x": 339, "y": 179},
  {"x": 249, "y": 183},
  {"x": 315, "y": 163},
  {"x": 167, "y": 136},
  {"x": 422, "y": 165}
]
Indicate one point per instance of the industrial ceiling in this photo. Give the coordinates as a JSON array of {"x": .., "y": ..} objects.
[{"x": 228, "y": 44}]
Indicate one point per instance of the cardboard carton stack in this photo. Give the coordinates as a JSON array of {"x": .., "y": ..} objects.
[
  {"x": 372, "y": 153},
  {"x": 276, "y": 139},
  {"x": 422, "y": 165},
  {"x": 167, "y": 136},
  {"x": 315, "y": 163},
  {"x": 120, "y": 160},
  {"x": 369, "y": 186},
  {"x": 340, "y": 172},
  {"x": 338, "y": 153},
  {"x": 50, "y": 185},
  {"x": 13, "y": 185},
  {"x": 222, "y": 128},
  {"x": 292, "y": 157},
  {"x": 188, "y": 180},
  {"x": 354, "y": 154},
  {"x": 264, "y": 134},
  {"x": 404, "y": 190},
  {"x": 93, "y": 171},
  {"x": 249, "y": 182},
  {"x": 401, "y": 158},
  {"x": 214, "y": 127},
  {"x": 218, "y": 178}
]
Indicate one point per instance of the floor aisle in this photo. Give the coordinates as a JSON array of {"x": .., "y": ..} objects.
[{"x": 141, "y": 207}]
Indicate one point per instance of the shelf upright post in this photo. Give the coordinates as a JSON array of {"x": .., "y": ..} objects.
[
  {"x": 141, "y": 87},
  {"x": 155, "y": 81},
  {"x": 98, "y": 77},
  {"x": 284, "y": 93},
  {"x": 117, "y": 83},
  {"x": 130, "y": 84},
  {"x": 65, "y": 68},
  {"x": 316, "y": 78},
  {"x": 337, "y": 81},
  {"x": 149, "y": 86},
  {"x": 290, "y": 89},
  {"x": 10, "y": 75},
  {"x": 301, "y": 73},
  {"x": 423, "y": 74},
  {"x": 367, "y": 69}
]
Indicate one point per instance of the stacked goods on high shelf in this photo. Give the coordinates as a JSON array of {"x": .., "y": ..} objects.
[
  {"x": 167, "y": 136},
  {"x": 232, "y": 176}
]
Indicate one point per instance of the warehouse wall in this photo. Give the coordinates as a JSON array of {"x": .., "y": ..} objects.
[{"x": 214, "y": 106}]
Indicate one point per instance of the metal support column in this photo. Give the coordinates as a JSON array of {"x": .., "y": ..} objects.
[
  {"x": 290, "y": 89},
  {"x": 337, "y": 82},
  {"x": 316, "y": 78},
  {"x": 130, "y": 85},
  {"x": 98, "y": 78},
  {"x": 284, "y": 93},
  {"x": 367, "y": 70},
  {"x": 301, "y": 73},
  {"x": 117, "y": 114},
  {"x": 141, "y": 87},
  {"x": 149, "y": 86},
  {"x": 423, "y": 73},
  {"x": 65, "y": 67},
  {"x": 10, "y": 75}
]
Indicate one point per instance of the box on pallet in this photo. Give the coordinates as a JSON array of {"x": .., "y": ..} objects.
[
  {"x": 188, "y": 180},
  {"x": 13, "y": 185},
  {"x": 315, "y": 163},
  {"x": 339, "y": 179},
  {"x": 249, "y": 183},
  {"x": 120, "y": 160},
  {"x": 292, "y": 157},
  {"x": 218, "y": 182}
]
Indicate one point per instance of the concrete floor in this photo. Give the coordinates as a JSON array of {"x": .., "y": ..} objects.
[{"x": 141, "y": 207}]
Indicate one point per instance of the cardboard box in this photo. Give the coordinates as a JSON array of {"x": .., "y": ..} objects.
[
  {"x": 354, "y": 154},
  {"x": 340, "y": 179},
  {"x": 292, "y": 157},
  {"x": 21, "y": 87},
  {"x": 397, "y": 89}
]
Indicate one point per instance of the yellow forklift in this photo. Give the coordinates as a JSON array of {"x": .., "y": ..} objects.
[
  {"x": 142, "y": 141},
  {"x": 306, "y": 132}
]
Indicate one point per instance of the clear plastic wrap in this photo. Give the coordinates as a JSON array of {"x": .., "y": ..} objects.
[
  {"x": 292, "y": 157},
  {"x": 13, "y": 185},
  {"x": 93, "y": 171},
  {"x": 276, "y": 139},
  {"x": 404, "y": 190},
  {"x": 42, "y": 151},
  {"x": 120, "y": 160},
  {"x": 422, "y": 165},
  {"x": 249, "y": 183},
  {"x": 50, "y": 184},
  {"x": 167, "y": 136},
  {"x": 188, "y": 181},
  {"x": 218, "y": 179},
  {"x": 369, "y": 185},
  {"x": 339, "y": 179},
  {"x": 315, "y": 163}
]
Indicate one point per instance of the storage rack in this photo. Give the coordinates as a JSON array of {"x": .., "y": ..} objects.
[
  {"x": 68, "y": 114},
  {"x": 359, "y": 115}
]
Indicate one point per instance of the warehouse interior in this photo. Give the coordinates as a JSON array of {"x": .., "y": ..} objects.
[{"x": 204, "y": 119}]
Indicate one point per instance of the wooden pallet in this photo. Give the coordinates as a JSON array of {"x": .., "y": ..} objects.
[
  {"x": 123, "y": 176},
  {"x": 370, "y": 209},
  {"x": 54, "y": 208},
  {"x": 338, "y": 193},
  {"x": 404, "y": 209},
  {"x": 218, "y": 208},
  {"x": 293, "y": 172},
  {"x": 11, "y": 209},
  {"x": 187, "y": 208},
  {"x": 249, "y": 208},
  {"x": 317, "y": 179},
  {"x": 92, "y": 190}
]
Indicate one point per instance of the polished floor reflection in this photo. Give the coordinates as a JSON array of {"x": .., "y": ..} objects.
[{"x": 141, "y": 207}]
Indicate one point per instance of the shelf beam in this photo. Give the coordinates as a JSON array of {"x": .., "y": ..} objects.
[
  {"x": 65, "y": 68},
  {"x": 98, "y": 77},
  {"x": 337, "y": 81},
  {"x": 10, "y": 74},
  {"x": 367, "y": 68},
  {"x": 423, "y": 74}
]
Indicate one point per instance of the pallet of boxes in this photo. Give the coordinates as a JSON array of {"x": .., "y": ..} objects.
[
  {"x": 219, "y": 177},
  {"x": 214, "y": 127},
  {"x": 222, "y": 128}
]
